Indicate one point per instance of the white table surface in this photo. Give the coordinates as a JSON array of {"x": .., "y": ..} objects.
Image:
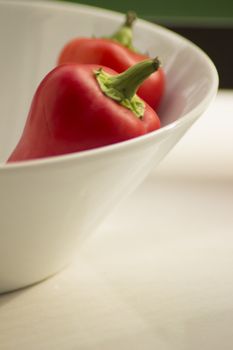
[{"x": 158, "y": 274}]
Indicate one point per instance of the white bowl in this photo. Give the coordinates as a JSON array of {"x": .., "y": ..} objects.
[{"x": 47, "y": 206}]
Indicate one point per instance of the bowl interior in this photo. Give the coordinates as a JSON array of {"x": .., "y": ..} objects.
[{"x": 32, "y": 35}]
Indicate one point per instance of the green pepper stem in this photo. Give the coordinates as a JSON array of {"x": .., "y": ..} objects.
[
  {"x": 129, "y": 81},
  {"x": 124, "y": 34},
  {"x": 123, "y": 87}
]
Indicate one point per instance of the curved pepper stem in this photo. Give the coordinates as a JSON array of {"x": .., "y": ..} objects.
[
  {"x": 124, "y": 34},
  {"x": 123, "y": 87}
]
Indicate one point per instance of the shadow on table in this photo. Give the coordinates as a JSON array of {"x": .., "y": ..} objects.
[{"x": 7, "y": 297}]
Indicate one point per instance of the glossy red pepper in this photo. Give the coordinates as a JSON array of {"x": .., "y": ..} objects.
[
  {"x": 79, "y": 107},
  {"x": 116, "y": 52}
]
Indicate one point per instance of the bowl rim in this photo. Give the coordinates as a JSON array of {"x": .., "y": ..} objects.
[{"x": 196, "y": 111}]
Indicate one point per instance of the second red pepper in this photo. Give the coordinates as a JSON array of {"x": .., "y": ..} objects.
[{"x": 117, "y": 53}]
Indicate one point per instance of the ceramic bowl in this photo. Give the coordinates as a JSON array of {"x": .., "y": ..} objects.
[{"x": 48, "y": 206}]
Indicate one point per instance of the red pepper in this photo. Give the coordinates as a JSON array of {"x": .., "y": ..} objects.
[
  {"x": 78, "y": 107},
  {"x": 117, "y": 53}
]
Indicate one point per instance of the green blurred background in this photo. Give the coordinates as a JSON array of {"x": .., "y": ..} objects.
[
  {"x": 170, "y": 10},
  {"x": 208, "y": 23}
]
